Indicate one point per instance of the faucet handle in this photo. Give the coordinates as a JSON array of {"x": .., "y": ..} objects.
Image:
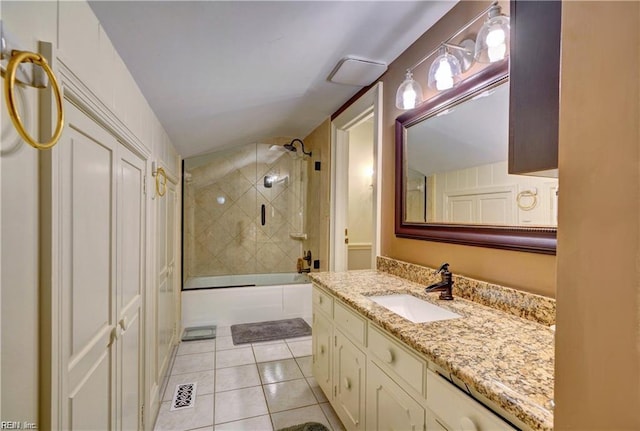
[{"x": 443, "y": 268}]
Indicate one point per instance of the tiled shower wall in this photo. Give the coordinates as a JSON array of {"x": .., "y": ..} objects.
[{"x": 223, "y": 195}]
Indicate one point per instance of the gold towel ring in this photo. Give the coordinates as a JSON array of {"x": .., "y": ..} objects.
[
  {"x": 159, "y": 172},
  {"x": 527, "y": 194},
  {"x": 18, "y": 57}
]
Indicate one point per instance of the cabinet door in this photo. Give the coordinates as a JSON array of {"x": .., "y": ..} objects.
[
  {"x": 130, "y": 289},
  {"x": 534, "y": 76},
  {"x": 87, "y": 213},
  {"x": 388, "y": 406},
  {"x": 349, "y": 382},
  {"x": 321, "y": 338}
]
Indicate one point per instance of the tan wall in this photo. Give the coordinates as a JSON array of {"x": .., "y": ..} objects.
[
  {"x": 526, "y": 271},
  {"x": 598, "y": 298},
  {"x": 318, "y": 208}
]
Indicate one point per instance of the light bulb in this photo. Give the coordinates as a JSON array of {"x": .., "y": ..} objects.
[
  {"x": 444, "y": 75},
  {"x": 496, "y": 47},
  {"x": 492, "y": 42},
  {"x": 444, "y": 72},
  {"x": 409, "y": 94},
  {"x": 409, "y": 98}
]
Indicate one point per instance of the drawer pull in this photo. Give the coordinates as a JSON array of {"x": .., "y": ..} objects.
[
  {"x": 347, "y": 383},
  {"x": 320, "y": 299},
  {"x": 387, "y": 356},
  {"x": 322, "y": 349},
  {"x": 467, "y": 424}
]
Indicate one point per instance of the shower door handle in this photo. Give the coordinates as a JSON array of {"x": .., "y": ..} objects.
[{"x": 263, "y": 214}]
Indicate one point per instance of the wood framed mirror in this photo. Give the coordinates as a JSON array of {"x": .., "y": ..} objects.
[{"x": 452, "y": 180}]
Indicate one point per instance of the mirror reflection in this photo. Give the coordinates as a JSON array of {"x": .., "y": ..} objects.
[{"x": 456, "y": 169}]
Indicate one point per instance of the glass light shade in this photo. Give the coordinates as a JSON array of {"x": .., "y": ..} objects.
[
  {"x": 444, "y": 72},
  {"x": 409, "y": 94},
  {"x": 493, "y": 41}
]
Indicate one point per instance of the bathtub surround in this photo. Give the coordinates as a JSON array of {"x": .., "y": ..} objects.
[
  {"x": 232, "y": 305},
  {"x": 529, "y": 306},
  {"x": 241, "y": 207}
]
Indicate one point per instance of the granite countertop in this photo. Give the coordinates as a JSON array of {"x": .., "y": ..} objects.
[{"x": 506, "y": 359}]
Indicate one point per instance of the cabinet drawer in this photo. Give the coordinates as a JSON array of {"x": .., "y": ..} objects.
[
  {"x": 408, "y": 366},
  {"x": 352, "y": 324},
  {"x": 456, "y": 408},
  {"x": 323, "y": 301}
]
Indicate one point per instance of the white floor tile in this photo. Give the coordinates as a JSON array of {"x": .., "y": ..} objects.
[
  {"x": 298, "y": 416},
  {"x": 305, "y": 363},
  {"x": 300, "y": 348},
  {"x": 260, "y": 423},
  {"x": 334, "y": 420},
  {"x": 231, "y": 378},
  {"x": 320, "y": 396},
  {"x": 272, "y": 352},
  {"x": 279, "y": 371},
  {"x": 193, "y": 363},
  {"x": 264, "y": 343},
  {"x": 199, "y": 416},
  {"x": 203, "y": 378},
  {"x": 226, "y": 343},
  {"x": 235, "y": 357},
  {"x": 305, "y": 338},
  {"x": 240, "y": 404},
  {"x": 289, "y": 395},
  {"x": 190, "y": 347},
  {"x": 223, "y": 331}
]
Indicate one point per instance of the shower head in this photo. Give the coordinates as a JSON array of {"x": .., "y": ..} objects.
[{"x": 291, "y": 147}]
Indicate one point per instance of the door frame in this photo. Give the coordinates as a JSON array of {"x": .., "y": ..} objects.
[{"x": 368, "y": 104}]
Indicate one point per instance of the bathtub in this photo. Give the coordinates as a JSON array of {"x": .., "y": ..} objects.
[{"x": 231, "y": 299}]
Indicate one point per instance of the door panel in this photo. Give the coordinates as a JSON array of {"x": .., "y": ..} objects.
[
  {"x": 388, "y": 406},
  {"x": 91, "y": 265},
  {"x": 130, "y": 252},
  {"x": 88, "y": 409},
  {"x": 321, "y": 348},
  {"x": 349, "y": 381},
  {"x": 86, "y": 220}
]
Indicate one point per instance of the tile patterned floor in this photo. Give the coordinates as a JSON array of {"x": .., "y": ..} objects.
[{"x": 261, "y": 386}]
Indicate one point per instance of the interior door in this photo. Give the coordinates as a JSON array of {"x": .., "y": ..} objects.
[
  {"x": 165, "y": 295},
  {"x": 130, "y": 289},
  {"x": 88, "y": 272}
]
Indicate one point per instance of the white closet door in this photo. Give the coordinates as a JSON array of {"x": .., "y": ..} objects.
[
  {"x": 88, "y": 184},
  {"x": 130, "y": 288},
  {"x": 166, "y": 263}
]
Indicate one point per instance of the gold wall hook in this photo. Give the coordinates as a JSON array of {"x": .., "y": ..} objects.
[
  {"x": 18, "y": 57},
  {"x": 161, "y": 186}
]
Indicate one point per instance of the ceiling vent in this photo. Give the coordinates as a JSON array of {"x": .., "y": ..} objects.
[{"x": 356, "y": 71}]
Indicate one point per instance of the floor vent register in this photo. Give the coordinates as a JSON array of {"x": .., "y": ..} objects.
[{"x": 184, "y": 396}]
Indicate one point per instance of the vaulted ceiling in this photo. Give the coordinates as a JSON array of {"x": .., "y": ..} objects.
[{"x": 223, "y": 73}]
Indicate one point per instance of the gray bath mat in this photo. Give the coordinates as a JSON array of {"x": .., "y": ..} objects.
[
  {"x": 308, "y": 426},
  {"x": 269, "y": 331}
]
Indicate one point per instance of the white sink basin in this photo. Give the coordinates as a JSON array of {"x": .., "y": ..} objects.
[{"x": 414, "y": 309}]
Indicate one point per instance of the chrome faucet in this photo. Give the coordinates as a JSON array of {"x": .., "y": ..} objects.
[{"x": 445, "y": 285}]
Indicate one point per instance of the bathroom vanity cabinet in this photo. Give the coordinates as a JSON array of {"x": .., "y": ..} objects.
[
  {"x": 376, "y": 382},
  {"x": 534, "y": 76}
]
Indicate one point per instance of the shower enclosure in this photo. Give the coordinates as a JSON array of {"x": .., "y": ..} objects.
[{"x": 243, "y": 214}]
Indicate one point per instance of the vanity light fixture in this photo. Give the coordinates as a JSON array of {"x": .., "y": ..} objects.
[
  {"x": 445, "y": 71},
  {"x": 409, "y": 94},
  {"x": 491, "y": 45}
]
